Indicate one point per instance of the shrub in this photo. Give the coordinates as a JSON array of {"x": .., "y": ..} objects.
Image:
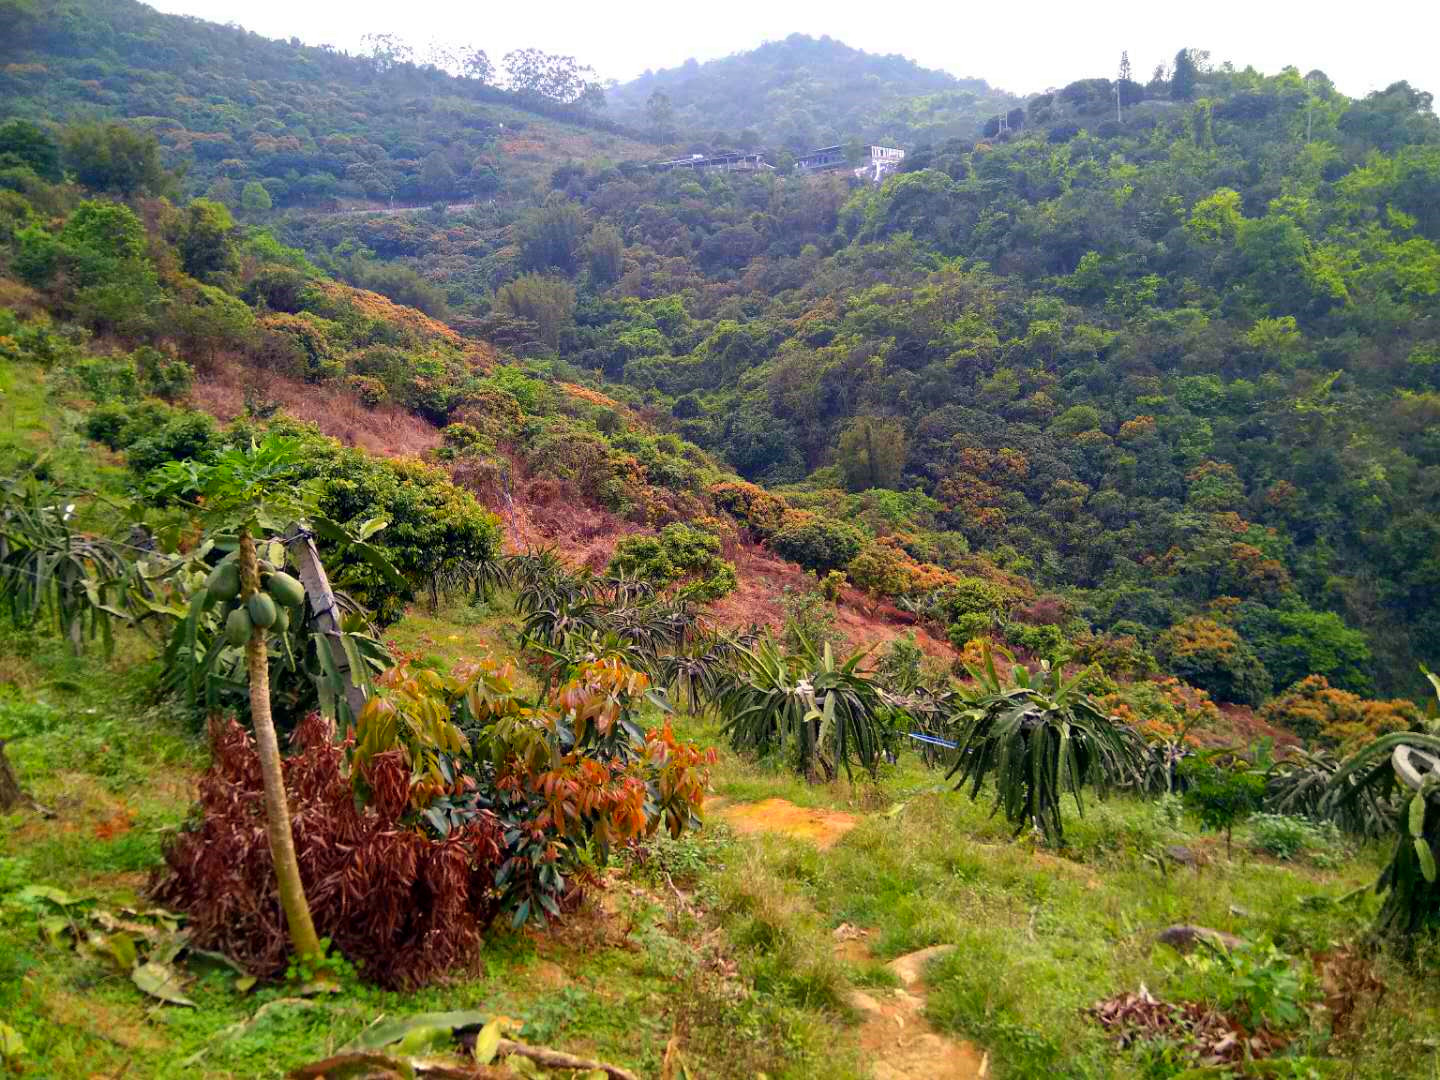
[
  {"x": 1215, "y": 658},
  {"x": 1222, "y": 792},
  {"x": 751, "y": 505},
  {"x": 436, "y": 530},
  {"x": 1286, "y": 837},
  {"x": 163, "y": 376},
  {"x": 678, "y": 553},
  {"x": 407, "y": 906},
  {"x": 183, "y": 436},
  {"x": 900, "y": 667},
  {"x": 816, "y": 543},
  {"x": 371, "y": 391},
  {"x": 1331, "y": 717},
  {"x": 1254, "y": 983},
  {"x": 107, "y": 379},
  {"x": 119, "y": 426},
  {"x": 809, "y": 620}
]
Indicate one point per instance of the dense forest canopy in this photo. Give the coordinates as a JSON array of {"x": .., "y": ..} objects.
[{"x": 1160, "y": 357}]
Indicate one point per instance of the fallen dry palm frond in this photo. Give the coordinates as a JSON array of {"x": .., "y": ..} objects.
[
  {"x": 1215, "y": 1039},
  {"x": 412, "y": 907}
]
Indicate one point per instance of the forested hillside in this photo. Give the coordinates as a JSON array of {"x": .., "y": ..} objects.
[
  {"x": 1178, "y": 368},
  {"x": 267, "y": 123},
  {"x": 800, "y": 93},
  {"x": 1164, "y": 384}
]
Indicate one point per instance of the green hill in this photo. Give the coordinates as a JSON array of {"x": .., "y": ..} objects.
[
  {"x": 309, "y": 124},
  {"x": 804, "y": 92}
]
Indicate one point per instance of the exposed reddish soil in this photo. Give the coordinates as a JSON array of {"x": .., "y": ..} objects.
[
  {"x": 863, "y": 622},
  {"x": 823, "y": 828}
]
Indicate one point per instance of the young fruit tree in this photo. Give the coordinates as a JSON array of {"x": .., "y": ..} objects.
[{"x": 253, "y": 493}]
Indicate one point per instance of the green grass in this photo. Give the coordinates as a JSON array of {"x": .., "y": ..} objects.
[{"x": 725, "y": 940}]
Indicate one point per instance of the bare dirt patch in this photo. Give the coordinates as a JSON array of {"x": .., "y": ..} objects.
[
  {"x": 863, "y": 622},
  {"x": 895, "y": 1038},
  {"x": 823, "y": 828}
]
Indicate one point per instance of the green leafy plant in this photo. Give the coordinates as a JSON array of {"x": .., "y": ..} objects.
[
  {"x": 1039, "y": 739},
  {"x": 49, "y": 567},
  {"x": 1301, "y": 783},
  {"x": 1254, "y": 983},
  {"x": 678, "y": 554},
  {"x": 1223, "y": 788},
  {"x": 1289, "y": 838},
  {"x": 818, "y": 714}
]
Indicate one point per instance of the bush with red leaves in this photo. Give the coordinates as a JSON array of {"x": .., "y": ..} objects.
[{"x": 409, "y": 906}]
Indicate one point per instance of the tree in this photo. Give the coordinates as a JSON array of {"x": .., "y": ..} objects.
[
  {"x": 661, "y": 115},
  {"x": 1222, "y": 792},
  {"x": 252, "y": 492},
  {"x": 1185, "y": 77},
  {"x": 537, "y": 74},
  {"x": 116, "y": 159},
  {"x": 605, "y": 251},
  {"x": 254, "y": 199},
  {"x": 387, "y": 51},
  {"x": 551, "y": 237},
  {"x": 30, "y": 145},
  {"x": 548, "y": 302},
  {"x": 475, "y": 64},
  {"x": 1215, "y": 658},
  {"x": 872, "y": 453},
  {"x": 207, "y": 244},
  {"x": 437, "y": 178}
]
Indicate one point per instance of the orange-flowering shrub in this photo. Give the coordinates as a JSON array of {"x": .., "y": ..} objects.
[
  {"x": 885, "y": 568},
  {"x": 1321, "y": 713},
  {"x": 1165, "y": 710},
  {"x": 751, "y": 505}
]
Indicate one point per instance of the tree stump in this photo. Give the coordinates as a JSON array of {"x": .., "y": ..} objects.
[{"x": 11, "y": 797}]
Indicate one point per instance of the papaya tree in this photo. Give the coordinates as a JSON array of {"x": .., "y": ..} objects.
[{"x": 251, "y": 493}]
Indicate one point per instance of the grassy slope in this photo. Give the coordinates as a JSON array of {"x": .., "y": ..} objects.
[{"x": 723, "y": 940}]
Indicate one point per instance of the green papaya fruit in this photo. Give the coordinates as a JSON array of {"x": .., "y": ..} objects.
[
  {"x": 282, "y": 622},
  {"x": 238, "y": 627},
  {"x": 224, "y": 581},
  {"x": 262, "y": 610},
  {"x": 285, "y": 589}
]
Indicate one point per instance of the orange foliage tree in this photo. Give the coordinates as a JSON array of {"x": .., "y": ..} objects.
[{"x": 1324, "y": 714}]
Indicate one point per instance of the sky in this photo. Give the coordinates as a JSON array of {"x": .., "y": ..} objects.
[{"x": 1023, "y": 47}]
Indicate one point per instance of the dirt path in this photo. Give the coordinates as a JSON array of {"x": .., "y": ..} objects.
[{"x": 897, "y": 1040}]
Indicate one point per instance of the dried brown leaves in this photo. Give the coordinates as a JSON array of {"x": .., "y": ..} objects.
[{"x": 409, "y": 906}]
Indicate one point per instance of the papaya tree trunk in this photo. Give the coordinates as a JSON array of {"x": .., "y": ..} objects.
[{"x": 267, "y": 747}]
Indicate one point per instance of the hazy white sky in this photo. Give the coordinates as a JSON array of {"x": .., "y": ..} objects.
[{"x": 1020, "y": 45}]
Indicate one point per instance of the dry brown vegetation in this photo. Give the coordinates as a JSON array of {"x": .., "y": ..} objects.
[{"x": 389, "y": 429}]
